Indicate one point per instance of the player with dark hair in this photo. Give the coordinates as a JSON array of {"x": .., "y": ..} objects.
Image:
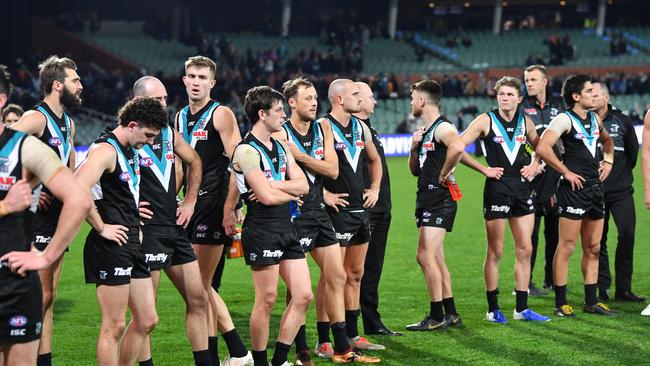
[
  {"x": 270, "y": 181},
  {"x": 435, "y": 151},
  {"x": 49, "y": 122},
  {"x": 165, "y": 243},
  {"x": 505, "y": 135},
  {"x": 24, "y": 160},
  {"x": 114, "y": 259},
  {"x": 580, "y": 196},
  {"x": 11, "y": 114}
]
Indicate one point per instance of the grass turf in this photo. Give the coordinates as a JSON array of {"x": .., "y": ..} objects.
[{"x": 588, "y": 339}]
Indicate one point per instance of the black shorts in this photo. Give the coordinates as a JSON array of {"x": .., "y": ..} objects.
[
  {"x": 166, "y": 246},
  {"x": 21, "y": 308},
  {"x": 498, "y": 205},
  {"x": 435, "y": 209},
  {"x": 577, "y": 205},
  {"x": 206, "y": 225},
  {"x": 265, "y": 244},
  {"x": 315, "y": 230},
  {"x": 43, "y": 228},
  {"x": 106, "y": 263},
  {"x": 351, "y": 227}
]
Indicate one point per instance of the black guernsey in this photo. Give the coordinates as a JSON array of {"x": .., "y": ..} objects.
[
  {"x": 505, "y": 147},
  {"x": 626, "y": 150},
  {"x": 580, "y": 145},
  {"x": 273, "y": 164},
  {"x": 349, "y": 143},
  {"x": 11, "y": 171},
  {"x": 383, "y": 202},
  {"x": 312, "y": 145},
  {"x": 56, "y": 135},
  {"x": 116, "y": 194},
  {"x": 198, "y": 130},
  {"x": 158, "y": 184},
  {"x": 431, "y": 155}
]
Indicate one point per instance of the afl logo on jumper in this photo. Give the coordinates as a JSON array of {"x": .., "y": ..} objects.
[
  {"x": 268, "y": 174},
  {"x": 340, "y": 146},
  {"x": 498, "y": 139},
  {"x": 18, "y": 321},
  {"x": 579, "y": 136},
  {"x": 125, "y": 177},
  {"x": 146, "y": 162},
  {"x": 55, "y": 141}
]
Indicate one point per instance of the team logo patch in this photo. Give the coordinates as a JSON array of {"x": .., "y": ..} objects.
[
  {"x": 18, "y": 321},
  {"x": 498, "y": 139},
  {"x": 531, "y": 111},
  {"x": 520, "y": 139},
  {"x": 146, "y": 162},
  {"x": 361, "y": 144},
  {"x": 202, "y": 227},
  {"x": 171, "y": 157},
  {"x": 428, "y": 146},
  {"x": 125, "y": 177},
  {"x": 55, "y": 141},
  {"x": 6, "y": 182},
  {"x": 200, "y": 134}
]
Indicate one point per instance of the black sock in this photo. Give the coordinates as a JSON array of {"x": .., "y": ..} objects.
[
  {"x": 522, "y": 300},
  {"x": 450, "y": 306},
  {"x": 323, "y": 329},
  {"x": 44, "y": 360},
  {"x": 493, "y": 301},
  {"x": 590, "y": 294},
  {"x": 351, "y": 317},
  {"x": 341, "y": 343},
  {"x": 213, "y": 347},
  {"x": 259, "y": 358},
  {"x": 280, "y": 354},
  {"x": 301, "y": 340},
  {"x": 435, "y": 311},
  {"x": 202, "y": 358},
  {"x": 236, "y": 346},
  {"x": 560, "y": 295},
  {"x": 148, "y": 362}
]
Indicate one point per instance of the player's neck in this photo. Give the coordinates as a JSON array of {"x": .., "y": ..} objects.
[
  {"x": 196, "y": 106},
  {"x": 580, "y": 111},
  {"x": 507, "y": 115},
  {"x": 362, "y": 115},
  {"x": 121, "y": 133},
  {"x": 54, "y": 103},
  {"x": 299, "y": 124},
  {"x": 430, "y": 115},
  {"x": 602, "y": 112},
  {"x": 261, "y": 133},
  {"x": 341, "y": 116},
  {"x": 541, "y": 99}
]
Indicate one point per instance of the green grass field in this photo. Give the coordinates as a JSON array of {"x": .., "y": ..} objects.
[{"x": 585, "y": 340}]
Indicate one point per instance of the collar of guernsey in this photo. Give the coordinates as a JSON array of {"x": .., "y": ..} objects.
[
  {"x": 589, "y": 139},
  {"x": 276, "y": 173},
  {"x": 162, "y": 167},
  {"x": 511, "y": 145},
  {"x": 428, "y": 137},
  {"x": 192, "y": 136},
  {"x": 317, "y": 141},
  {"x": 351, "y": 152},
  {"x": 53, "y": 127},
  {"x": 132, "y": 171}
]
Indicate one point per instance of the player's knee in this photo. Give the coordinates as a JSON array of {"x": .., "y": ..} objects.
[
  {"x": 147, "y": 323},
  {"x": 354, "y": 275},
  {"x": 303, "y": 298},
  {"x": 524, "y": 252},
  {"x": 267, "y": 300},
  {"x": 197, "y": 300},
  {"x": 568, "y": 247},
  {"x": 494, "y": 255},
  {"x": 49, "y": 295},
  {"x": 113, "y": 329},
  {"x": 336, "y": 278},
  {"x": 593, "y": 250}
]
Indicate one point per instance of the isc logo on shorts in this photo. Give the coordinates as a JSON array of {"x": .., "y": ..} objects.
[
  {"x": 119, "y": 271},
  {"x": 200, "y": 134},
  {"x": 340, "y": 146},
  {"x": 17, "y": 321},
  {"x": 55, "y": 141},
  {"x": 18, "y": 332}
]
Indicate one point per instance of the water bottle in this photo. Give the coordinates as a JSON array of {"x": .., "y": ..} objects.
[
  {"x": 294, "y": 209},
  {"x": 453, "y": 188},
  {"x": 235, "y": 251}
]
